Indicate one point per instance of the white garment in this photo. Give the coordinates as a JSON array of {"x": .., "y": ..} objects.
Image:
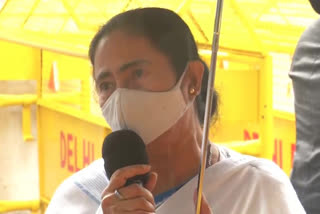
[
  {"x": 237, "y": 184},
  {"x": 81, "y": 192}
]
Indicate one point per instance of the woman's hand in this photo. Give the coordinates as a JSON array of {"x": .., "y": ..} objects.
[
  {"x": 205, "y": 208},
  {"x": 134, "y": 199}
]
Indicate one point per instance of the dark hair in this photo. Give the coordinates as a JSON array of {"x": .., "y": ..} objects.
[{"x": 168, "y": 33}]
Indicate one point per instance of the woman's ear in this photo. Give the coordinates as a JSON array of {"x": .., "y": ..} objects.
[{"x": 191, "y": 84}]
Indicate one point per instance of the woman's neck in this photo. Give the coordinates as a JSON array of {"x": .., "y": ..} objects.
[
  {"x": 175, "y": 167},
  {"x": 178, "y": 167},
  {"x": 176, "y": 155}
]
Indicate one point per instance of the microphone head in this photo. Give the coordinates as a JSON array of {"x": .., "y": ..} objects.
[
  {"x": 315, "y": 5},
  {"x": 123, "y": 148}
]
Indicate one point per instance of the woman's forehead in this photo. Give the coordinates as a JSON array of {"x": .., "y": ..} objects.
[
  {"x": 118, "y": 45},
  {"x": 118, "y": 48}
]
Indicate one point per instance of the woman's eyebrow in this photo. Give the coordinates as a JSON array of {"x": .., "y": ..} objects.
[
  {"x": 102, "y": 75},
  {"x": 133, "y": 63},
  {"x": 107, "y": 73}
]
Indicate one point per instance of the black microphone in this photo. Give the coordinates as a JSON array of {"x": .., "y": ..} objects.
[
  {"x": 124, "y": 148},
  {"x": 315, "y": 5}
]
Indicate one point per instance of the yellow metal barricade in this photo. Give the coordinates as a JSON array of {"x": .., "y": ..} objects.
[{"x": 7, "y": 206}]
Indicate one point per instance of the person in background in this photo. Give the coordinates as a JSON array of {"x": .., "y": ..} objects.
[
  {"x": 150, "y": 79},
  {"x": 305, "y": 75}
]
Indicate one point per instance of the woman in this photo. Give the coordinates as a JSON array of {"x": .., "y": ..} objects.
[{"x": 146, "y": 63}]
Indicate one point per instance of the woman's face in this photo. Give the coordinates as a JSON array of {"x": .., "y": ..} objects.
[{"x": 127, "y": 61}]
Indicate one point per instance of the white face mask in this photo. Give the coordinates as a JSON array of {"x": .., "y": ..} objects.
[{"x": 149, "y": 114}]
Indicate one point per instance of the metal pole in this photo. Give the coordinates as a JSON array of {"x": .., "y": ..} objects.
[{"x": 210, "y": 90}]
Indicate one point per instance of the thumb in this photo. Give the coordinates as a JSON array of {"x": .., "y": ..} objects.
[
  {"x": 204, "y": 208},
  {"x": 151, "y": 183}
]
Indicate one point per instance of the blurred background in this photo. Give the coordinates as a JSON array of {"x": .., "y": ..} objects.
[{"x": 50, "y": 122}]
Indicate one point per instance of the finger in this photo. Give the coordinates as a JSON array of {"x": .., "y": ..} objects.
[
  {"x": 204, "y": 208},
  {"x": 130, "y": 192},
  {"x": 106, "y": 202},
  {"x": 152, "y": 181},
  {"x": 110, "y": 204},
  {"x": 133, "y": 205},
  {"x": 105, "y": 193},
  {"x": 136, "y": 191},
  {"x": 135, "y": 212},
  {"x": 120, "y": 177},
  {"x": 139, "y": 212}
]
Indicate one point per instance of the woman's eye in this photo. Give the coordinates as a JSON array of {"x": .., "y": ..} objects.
[
  {"x": 106, "y": 86},
  {"x": 138, "y": 73}
]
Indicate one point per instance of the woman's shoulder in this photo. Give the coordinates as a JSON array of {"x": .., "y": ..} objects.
[
  {"x": 269, "y": 180},
  {"x": 264, "y": 167},
  {"x": 263, "y": 170},
  {"x": 256, "y": 179},
  {"x": 81, "y": 191}
]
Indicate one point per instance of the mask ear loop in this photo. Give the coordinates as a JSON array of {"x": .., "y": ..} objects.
[{"x": 178, "y": 85}]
